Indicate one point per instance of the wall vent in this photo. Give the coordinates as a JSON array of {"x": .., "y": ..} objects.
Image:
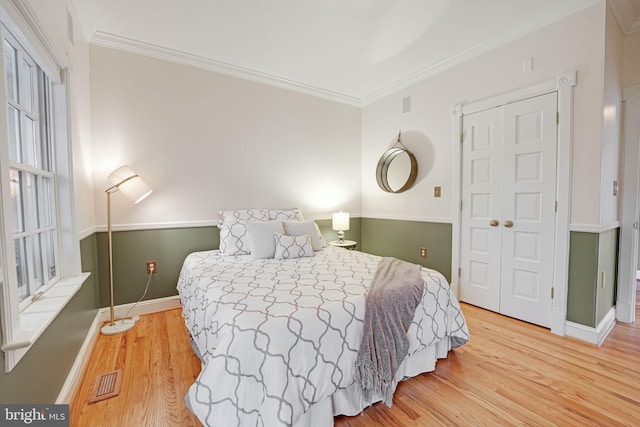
[{"x": 406, "y": 105}]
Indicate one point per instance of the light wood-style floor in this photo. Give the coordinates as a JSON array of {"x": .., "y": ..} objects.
[{"x": 510, "y": 373}]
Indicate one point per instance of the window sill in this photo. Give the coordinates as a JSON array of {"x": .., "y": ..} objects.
[{"x": 35, "y": 319}]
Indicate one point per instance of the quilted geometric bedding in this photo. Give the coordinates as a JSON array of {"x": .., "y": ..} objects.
[{"x": 277, "y": 336}]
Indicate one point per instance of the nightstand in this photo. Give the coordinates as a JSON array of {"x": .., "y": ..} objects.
[{"x": 347, "y": 244}]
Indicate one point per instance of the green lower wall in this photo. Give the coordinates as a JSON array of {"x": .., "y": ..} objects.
[
  {"x": 593, "y": 260},
  {"x": 583, "y": 272},
  {"x": 403, "y": 240},
  {"x": 132, "y": 250},
  {"x": 40, "y": 375},
  {"x": 607, "y": 273},
  {"x": 168, "y": 248}
]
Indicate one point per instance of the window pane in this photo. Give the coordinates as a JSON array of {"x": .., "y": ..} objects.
[
  {"x": 49, "y": 247},
  {"x": 28, "y": 86},
  {"x": 33, "y": 206},
  {"x": 21, "y": 269},
  {"x": 29, "y": 142},
  {"x": 15, "y": 148},
  {"x": 10, "y": 74},
  {"x": 17, "y": 200},
  {"x": 46, "y": 213},
  {"x": 36, "y": 263}
]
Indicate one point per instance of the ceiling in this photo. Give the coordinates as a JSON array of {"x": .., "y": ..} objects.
[{"x": 353, "y": 51}]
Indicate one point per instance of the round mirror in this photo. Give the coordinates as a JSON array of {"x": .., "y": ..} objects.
[{"x": 397, "y": 170}]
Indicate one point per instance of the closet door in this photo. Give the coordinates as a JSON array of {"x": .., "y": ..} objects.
[{"x": 508, "y": 208}]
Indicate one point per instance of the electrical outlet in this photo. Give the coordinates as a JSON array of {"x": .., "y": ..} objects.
[
  {"x": 152, "y": 267},
  {"x": 423, "y": 252}
]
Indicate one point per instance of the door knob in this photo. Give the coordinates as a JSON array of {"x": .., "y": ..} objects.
[
  {"x": 508, "y": 224},
  {"x": 494, "y": 223}
]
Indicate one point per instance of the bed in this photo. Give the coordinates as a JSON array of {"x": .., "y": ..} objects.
[{"x": 278, "y": 336}]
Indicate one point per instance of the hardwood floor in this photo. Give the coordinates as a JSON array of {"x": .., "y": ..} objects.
[
  {"x": 510, "y": 373},
  {"x": 159, "y": 366}
]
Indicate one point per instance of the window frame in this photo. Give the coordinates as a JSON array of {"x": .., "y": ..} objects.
[
  {"x": 23, "y": 324},
  {"x": 36, "y": 168}
]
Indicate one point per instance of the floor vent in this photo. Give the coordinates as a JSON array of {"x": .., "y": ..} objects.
[{"x": 107, "y": 386}]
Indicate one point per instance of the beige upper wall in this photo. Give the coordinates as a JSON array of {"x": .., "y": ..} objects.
[
  {"x": 207, "y": 142},
  {"x": 552, "y": 50},
  {"x": 631, "y": 74},
  {"x": 575, "y": 43}
]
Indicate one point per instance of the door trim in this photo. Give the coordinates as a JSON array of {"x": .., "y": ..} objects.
[
  {"x": 563, "y": 85},
  {"x": 630, "y": 210}
]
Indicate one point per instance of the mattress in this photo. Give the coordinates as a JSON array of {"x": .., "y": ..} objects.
[{"x": 278, "y": 339}]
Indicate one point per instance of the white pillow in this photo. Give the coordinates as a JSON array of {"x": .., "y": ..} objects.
[
  {"x": 263, "y": 245},
  {"x": 234, "y": 239},
  {"x": 294, "y": 214},
  {"x": 288, "y": 247},
  {"x": 301, "y": 228},
  {"x": 323, "y": 242}
]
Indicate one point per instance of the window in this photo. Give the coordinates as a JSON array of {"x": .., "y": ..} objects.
[
  {"x": 31, "y": 175},
  {"x": 39, "y": 247}
]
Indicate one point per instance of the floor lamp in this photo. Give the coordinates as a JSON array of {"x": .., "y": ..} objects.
[{"x": 132, "y": 186}]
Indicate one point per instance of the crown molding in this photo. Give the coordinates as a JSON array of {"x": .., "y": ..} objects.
[
  {"x": 105, "y": 39},
  {"x": 133, "y": 46}
]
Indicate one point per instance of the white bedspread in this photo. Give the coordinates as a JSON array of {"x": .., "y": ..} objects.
[{"x": 277, "y": 336}]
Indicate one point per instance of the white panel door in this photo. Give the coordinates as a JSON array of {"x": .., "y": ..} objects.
[
  {"x": 528, "y": 209},
  {"x": 481, "y": 195},
  {"x": 508, "y": 222}
]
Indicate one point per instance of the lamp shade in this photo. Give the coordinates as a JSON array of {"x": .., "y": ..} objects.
[
  {"x": 340, "y": 221},
  {"x": 131, "y": 185}
]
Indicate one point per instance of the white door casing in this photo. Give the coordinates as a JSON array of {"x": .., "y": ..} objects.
[{"x": 508, "y": 211}]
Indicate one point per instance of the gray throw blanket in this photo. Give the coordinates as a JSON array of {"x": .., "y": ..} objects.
[{"x": 391, "y": 302}]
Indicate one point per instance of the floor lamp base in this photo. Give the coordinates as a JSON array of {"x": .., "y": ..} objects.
[{"x": 118, "y": 327}]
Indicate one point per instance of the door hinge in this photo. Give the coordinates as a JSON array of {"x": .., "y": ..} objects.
[
  {"x": 459, "y": 271},
  {"x": 460, "y": 204},
  {"x": 557, "y": 117},
  {"x": 556, "y": 207},
  {"x": 551, "y": 293},
  {"x": 461, "y": 136}
]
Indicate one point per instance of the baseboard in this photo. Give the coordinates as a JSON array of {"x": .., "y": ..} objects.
[
  {"x": 144, "y": 307},
  {"x": 77, "y": 369},
  {"x": 591, "y": 335}
]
